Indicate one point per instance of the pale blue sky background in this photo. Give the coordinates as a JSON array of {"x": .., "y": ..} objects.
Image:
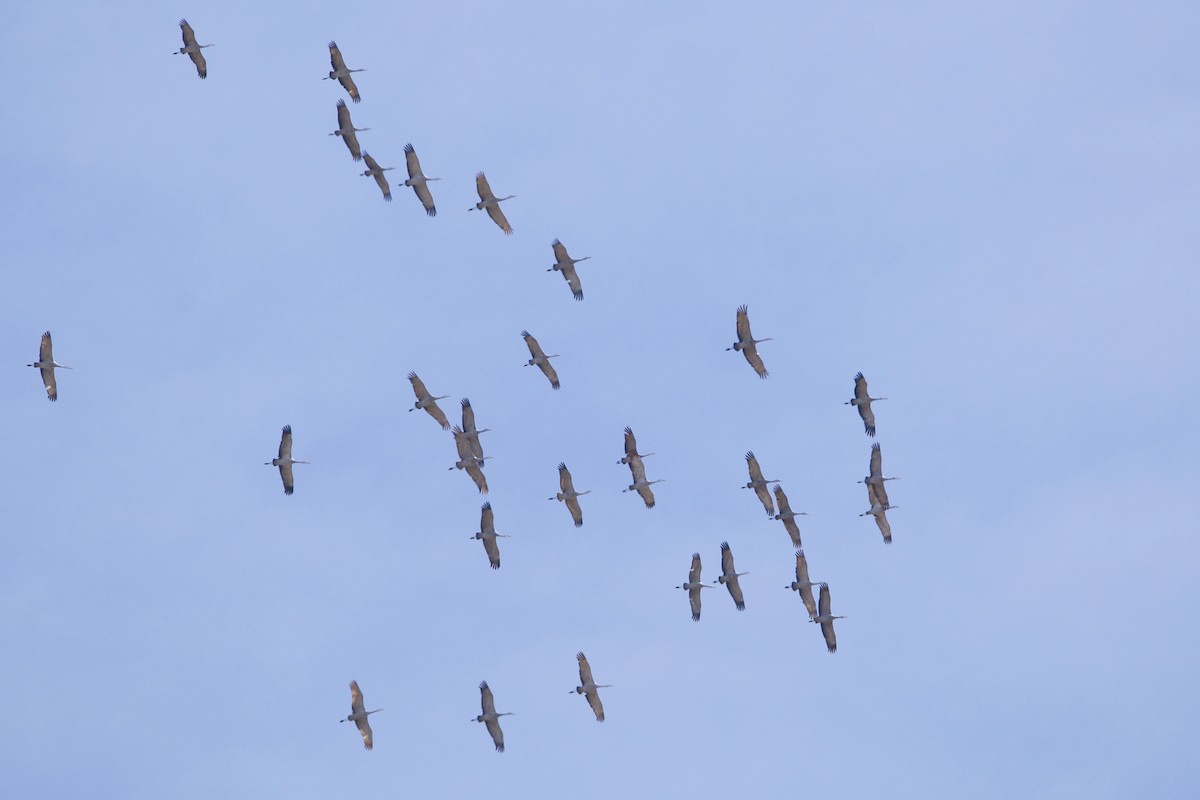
[{"x": 988, "y": 209}]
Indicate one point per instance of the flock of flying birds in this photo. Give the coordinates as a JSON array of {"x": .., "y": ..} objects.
[{"x": 470, "y": 451}]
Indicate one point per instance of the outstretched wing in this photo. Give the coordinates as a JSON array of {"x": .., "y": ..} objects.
[
  {"x": 576, "y": 511},
  {"x": 189, "y": 35},
  {"x": 751, "y": 354},
  {"x": 498, "y": 217},
  {"x": 492, "y": 548},
  {"x": 485, "y": 698},
  {"x": 585, "y": 669},
  {"x": 868, "y": 418},
  {"x": 548, "y": 370},
  {"x": 493, "y": 727},
  {"x": 436, "y": 412},
  {"x": 482, "y": 187},
  {"x": 564, "y": 479},
  {"x": 884, "y": 526},
  {"x": 793, "y": 530},
  {"x": 568, "y": 271},
  {"x": 477, "y": 475},
  {"x": 364, "y": 728},
  {"x": 418, "y": 386},
  {"x": 743, "y": 324},
  {"x": 593, "y": 698}
]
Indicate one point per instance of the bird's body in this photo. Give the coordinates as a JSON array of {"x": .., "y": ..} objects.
[
  {"x": 418, "y": 181},
  {"x": 347, "y": 131},
  {"x": 566, "y": 265},
  {"x": 487, "y": 533},
  {"x": 568, "y": 494},
  {"x": 540, "y": 359},
  {"x": 631, "y": 451},
  {"x": 491, "y": 203},
  {"x": 862, "y": 401},
  {"x": 693, "y": 587},
  {"x": 490, "y": 718},
  {"x": 747, "y": 344},
  {"x": 878, "y": 510},
  {"x": 589, "y": 687},
  {"x": 469, "y": 429},
  {"x": 340, "y": 74},
  {"x": 825, "y": 619},
  {"x": 803, "y": 584},
  {"x": 285, "y": 460},
  {"x": 788, "y": 516},
  {"x": 46, "y": 365},
  {"x": 359, "y": 714},
  {"x": 375, "y": 171},
  {"x": 729, "y": 577},
  {"x": 428, "y": 401},
  {"x": 759, "y": 484},
  {"x": 468, "y": 460},
  {"x": 192, "y": 50}
]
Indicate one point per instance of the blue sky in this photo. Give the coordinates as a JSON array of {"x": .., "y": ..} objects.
[{"x": 989, "y": 210}]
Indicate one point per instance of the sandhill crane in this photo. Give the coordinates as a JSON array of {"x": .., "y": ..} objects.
[
  {"x": 340, "y": 74},
  {"x": 375, "y": 171},
  {"x": 803, "y": 584},
  {"x": 489, "y": 717},
  {"x": 566, "y": 265},
  {"x": 487, "y": 532},
  {"x": 879, "y": 509},
  {"x": 192, "y": 50},
  {"x": 46, "y": 363},
  {"x": 468, "y": 461},
  {"x": 877, "y": 478},
  {"x": 693, "y": 587},
  {"x": 285, "y": 460},
  {"x": 418, "y": 181},
  {"x": 589, "y": 687},
  {"x": 346, "y": 130},
  {"x": 640, "y": 484},
  {"x": 428, "y": 402},
  {"x": 788, "y": 516},
  {"x": 358, "y": 715},
  {"x": 825, "y": 620},
  {"x": 568, "y": 494},
  {"x": 491, "y": 203},
  {"x": 631, "y": 448},
  {"x": 729, "y": 577},
  {"x": 540, "y": 359},
  {"x": 759, "y": 484},
  {"x": 469, "y": 429},
  {"x": 862, "y": 399},
  {"x": 747, "y": 343}
]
